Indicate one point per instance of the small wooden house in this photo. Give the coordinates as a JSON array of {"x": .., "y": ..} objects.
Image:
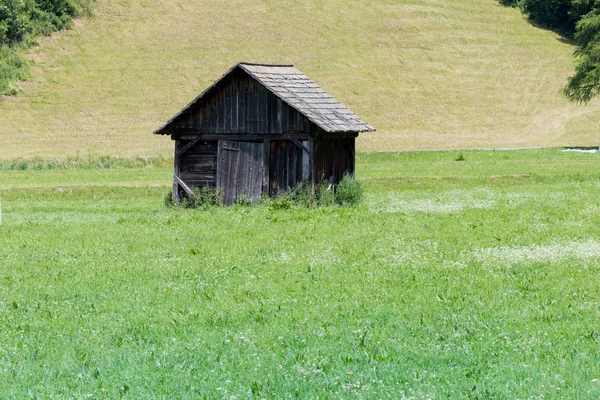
[{"x": 261, "y": 130}]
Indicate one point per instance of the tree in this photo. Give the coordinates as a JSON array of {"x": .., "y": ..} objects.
[{"x": 585, "y": 84}]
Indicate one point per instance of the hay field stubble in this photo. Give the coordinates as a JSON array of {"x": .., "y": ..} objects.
[{"x": 427, "y": 74}]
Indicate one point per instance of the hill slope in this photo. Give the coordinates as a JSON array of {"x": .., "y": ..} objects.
[{"x": 428, "y": 74}]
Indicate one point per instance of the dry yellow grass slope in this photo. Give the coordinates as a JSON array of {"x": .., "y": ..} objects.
[{"x": 428, "y": 74}]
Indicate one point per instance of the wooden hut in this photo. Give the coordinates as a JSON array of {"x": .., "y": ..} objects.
[{"x": 261, "y": 130}]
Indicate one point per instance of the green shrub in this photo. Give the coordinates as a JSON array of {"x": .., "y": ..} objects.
[
  {"x": 202, "y": 197},
  {"x": 302, "y": 196},
  {"x": 281, "y": 203},
  {"x": 12, "y": 69},
  {"x": 168, "y": 200},
  {"x": 243, "y": 200},
  {"x": 349, "y": 192},
  {"x": 323, "y": 194}
]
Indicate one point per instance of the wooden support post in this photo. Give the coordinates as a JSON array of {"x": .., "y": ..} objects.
[{"x": 182, "y": 184}]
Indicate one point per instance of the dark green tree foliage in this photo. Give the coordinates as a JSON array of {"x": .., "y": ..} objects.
[
  {"x": 555, "y": 14},
  {"x": 585, "y": 84},
  {"x": 14, "y": 22},
  {"x": 578, "y": 20},
  {"x": 510, "y": 3},
  {"x": 558, "y": 15},
  {"x": 23, "y": 20}
]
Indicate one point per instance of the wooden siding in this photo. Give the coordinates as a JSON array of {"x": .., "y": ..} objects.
[
  {"x": 240, "y": 170},
  {"x": 287, "y": 166},
  {"x": 198, "y": 164},
  {"x": 333, "y": 157},
  {"x": 240, "y": 104}
]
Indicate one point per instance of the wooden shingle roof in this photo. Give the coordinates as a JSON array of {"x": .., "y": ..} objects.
[{"x": 298, "y": 91}]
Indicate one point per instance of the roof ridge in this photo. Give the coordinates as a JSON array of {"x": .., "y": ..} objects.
[{"x": 265, "y": 65}]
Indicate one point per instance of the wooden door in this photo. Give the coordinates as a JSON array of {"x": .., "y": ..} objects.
[
  {"x": 227, "y": 170},
  {"x": 240, "y": 170}
]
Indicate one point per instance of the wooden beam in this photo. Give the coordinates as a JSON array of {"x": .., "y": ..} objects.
[
  {"x": 245, "y": 137},
  {"x": 183, "y": 185},
  {"x": 195, "y": 131},
  {"x": 187, "y": 146},
  {"x": 299, "y": 144}
]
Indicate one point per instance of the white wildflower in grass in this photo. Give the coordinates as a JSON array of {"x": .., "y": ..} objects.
[
  {"x": 552, "y": 252},
  {"x": 446, "y": 202}
]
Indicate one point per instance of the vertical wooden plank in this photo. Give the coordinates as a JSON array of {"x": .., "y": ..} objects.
[
  {"x": 259, "y": 106},
  {"x": 238, "y": 176},
  {"x": 256, "y": 176},
  {"x": 215, "y": 111},
  {"x": 258, "y": 173},
  {"x": 176, "y": 172},
  {"x": 265, "y": 167},
  {"x": 252, "y": 166},
  {"x": 274, "y": 168},
  {"x": 227, "y": 108},
  {"x": 267, "y": 112},
  {"x": 306, "y": 125},
  {"x": 219, "y": 165},
  {"x": 236, "y": 105},
  {"x": 228, "y": 170},
  {"x": 353, "y": 156},
  {"x": 235, "y": 163},
  {"x": 311, "y": 166},
  {"x": 292, "y": 162},
  {"x": 279, "y": 128},
  {"x": 242, "y": 107},
  {"x": 245, "y": 169},
  {"x": 250, "y": 108},
  {"x": 286, "y": 118},
  {"x": 305, "y": 162}
]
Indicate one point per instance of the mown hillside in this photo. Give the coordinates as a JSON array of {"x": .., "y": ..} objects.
[{"x": 428, "y": 74}]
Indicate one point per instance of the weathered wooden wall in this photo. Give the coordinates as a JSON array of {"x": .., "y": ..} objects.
[
  {"x": 198, "y": 164},
  {"x": 287, "y": 168},
  {"x": 240, "y": 104},
  {"x": 333, "y": 157}
]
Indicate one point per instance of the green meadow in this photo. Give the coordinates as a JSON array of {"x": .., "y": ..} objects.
[{"x": 463, "y": 275}]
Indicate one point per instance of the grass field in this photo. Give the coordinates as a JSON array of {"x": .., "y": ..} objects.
[
  {"x": 468, "y": 279},
  {"x": 428, "y": 74}
]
